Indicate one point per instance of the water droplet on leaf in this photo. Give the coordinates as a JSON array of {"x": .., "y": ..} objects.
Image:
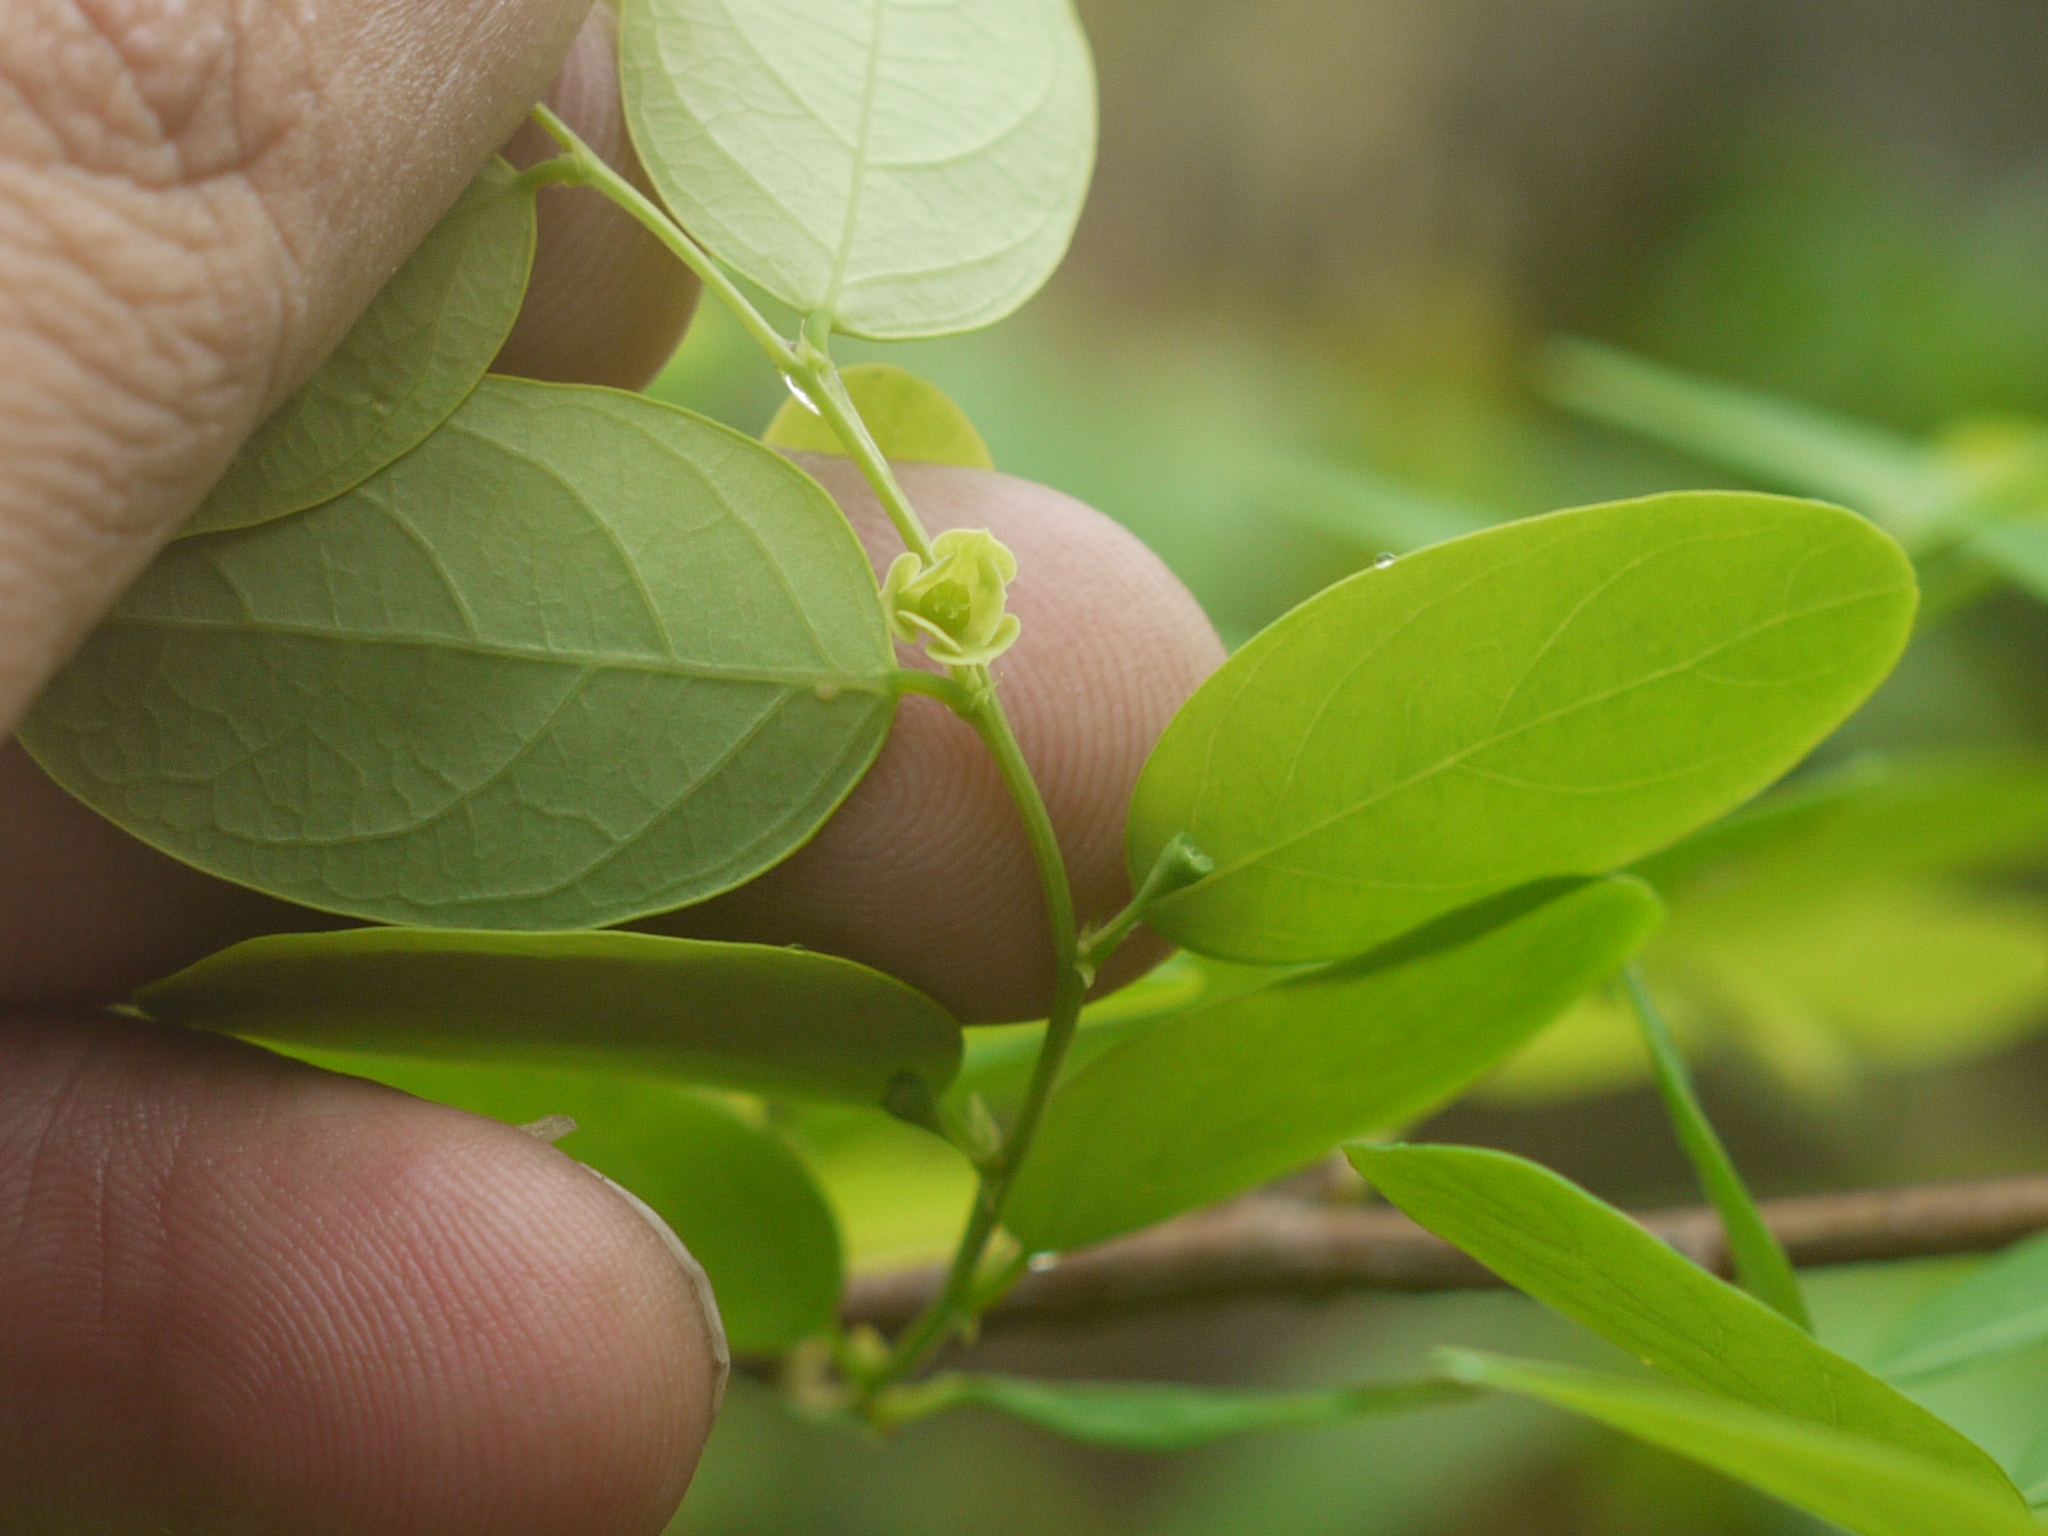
[
  {"x": 1385, "y": 558},
  {"x": 1039, "y": 1263}
]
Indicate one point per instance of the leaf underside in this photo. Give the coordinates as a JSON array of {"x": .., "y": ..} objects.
[
  {"x": 578, "y": 658},
  {"x": 751, "y": 1017},
  {"x": 1553, "y": 697},
  {"x": 410, "y": 359},
  {"x": 906, "y": 169}
]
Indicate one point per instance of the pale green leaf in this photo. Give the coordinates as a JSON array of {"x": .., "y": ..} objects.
[
  {"x": 577, "y": 658},
  {"x": 1785, "y": 445},
  {"x": 734, "y": 1192},
  {"x": 1865, "y": 1487},
  {"x": 1160, "y": 1417},
  {"x": 910, "y": 421},
  {"x": 905, "y": 169},
  {"x": 1210, "y": 1102},
  {"x": 1554, "y": 697},
  {"x": 411, "y": 358},
  {"x": 751, "y": 1017},
  {"x": 1587, "y": 1260},
  {"x": 2001, "y": 1308}
]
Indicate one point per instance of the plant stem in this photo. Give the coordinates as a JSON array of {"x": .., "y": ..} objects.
[
  {"x": 1180, "y": 864},
  {"x": 956, "y": 1296},
  {"x": 968, "y": 691},
  {"x": 587, "y": 168},
  {"x": 1758, "y": 1259}
]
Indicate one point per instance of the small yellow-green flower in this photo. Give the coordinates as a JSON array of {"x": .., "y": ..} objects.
[{"x": 955, "y": 604}]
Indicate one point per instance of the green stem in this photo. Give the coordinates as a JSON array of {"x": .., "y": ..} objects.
[
  {"x": 822, "y": 386},
  {"x": 587, "y": 168},
  {"x": 969, "y": 691},
  {"x": 1760, "y": 1263},
  {"x": 1180, "y": 864},
  {"x": 955, "y": 1299}
]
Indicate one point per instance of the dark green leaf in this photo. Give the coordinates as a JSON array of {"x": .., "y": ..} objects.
[
  {"x": 746, "y": 1016},
  {"x": 739, "y": 1198},
  {"x": 577, "y": 658},
  {"x": 1151, "y": 1416},
  {"x": 911, "y": 421},
  {"x": 2001, "y": 1308},
  {"x": 906, "y": 170},
  {"x": 410, "y": 360},
  {"x": 1554, "y": 697},
  {"x": 1866, "y": 1487},
  {"x": 1580, "y": 1256},
  {"x": 1210, "y": 1102}
]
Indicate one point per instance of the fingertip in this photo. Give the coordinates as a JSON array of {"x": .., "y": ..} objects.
[{"x": 249, "y": 1295}]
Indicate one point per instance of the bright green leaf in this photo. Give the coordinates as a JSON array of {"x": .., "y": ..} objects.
[
  {"x": 2001, "y": 1308},
  {"x": 751, "y": 1017},
  {"x": 1554, "y": 697},
  {"x": 907, "y": 170},
  {"x": 1580, "y": 1256},
  {"x": 577, "y": 658},
  {"x": 735, "y": 1193},
  {"x": 410, "y": 360},
  {"x": 910, "y": 421},
  {"x": 1213, "y": 1101},
  {"x": 1869, "y": 1488},
  {"x": 1156, "y": 1416}
]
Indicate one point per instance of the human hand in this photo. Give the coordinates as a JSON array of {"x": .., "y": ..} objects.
[{"x": 236, "y": 1294}]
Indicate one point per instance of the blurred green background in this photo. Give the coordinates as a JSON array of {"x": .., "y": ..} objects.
[{"x": 1297, "y": 327}]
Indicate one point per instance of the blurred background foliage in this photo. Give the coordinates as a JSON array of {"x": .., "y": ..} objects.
[{"x": 1297, "y": 329}]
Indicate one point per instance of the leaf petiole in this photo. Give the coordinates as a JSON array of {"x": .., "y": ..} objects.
[
  {"x": 585, "y": 167},
  {"x": 1179, "y": 865}
]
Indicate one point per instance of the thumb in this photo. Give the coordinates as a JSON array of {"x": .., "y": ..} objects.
[{"x": 195, "y": 202}]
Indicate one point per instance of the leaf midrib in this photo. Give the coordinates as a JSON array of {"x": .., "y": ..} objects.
[{"x": 858, "y": 682}]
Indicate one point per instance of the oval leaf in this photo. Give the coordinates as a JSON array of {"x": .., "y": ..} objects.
[
  {"x": 910, "y": 420},
  {"x": 1553, "y": 697},
  {"x": 745, "y": 1016},
  {"x": 736, "y": 1194},
  {"x": 906, "y": 170},
  {"x": 1164, "y": 1417},
  {"x": 1215, "y": 1100},
  {"x": 1867, "y": 1488},
  {"x": 1580, "y": 1256},
  {"x": 576, "y": 659},
  {"x": 408, "y": 362}
]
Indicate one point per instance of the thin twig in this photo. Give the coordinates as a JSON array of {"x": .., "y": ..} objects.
[{"x": 1273, "y": 1245}]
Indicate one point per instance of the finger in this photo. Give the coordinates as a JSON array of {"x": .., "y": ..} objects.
[
  {"x": 242, "y": 1296},
  {"x": 925, "y": 872},
  {"x": 195, "y": 202},
  {"x": 607, "y": 304}
]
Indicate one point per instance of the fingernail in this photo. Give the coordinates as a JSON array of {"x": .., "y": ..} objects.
[{"x": 707, "y": 1302}]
